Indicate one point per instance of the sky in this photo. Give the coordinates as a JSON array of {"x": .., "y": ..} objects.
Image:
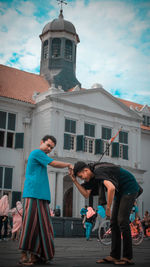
[{"x": 114, "y": 48}]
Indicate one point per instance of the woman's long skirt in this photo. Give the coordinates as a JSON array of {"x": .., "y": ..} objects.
[{"x": 37, "y": 232}]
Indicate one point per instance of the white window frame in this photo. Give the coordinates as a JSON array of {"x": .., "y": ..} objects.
[
  {"x": 6, "y": 190},
  {"x": 6, "y": 131},
  {"x": 89, "y": 145}
]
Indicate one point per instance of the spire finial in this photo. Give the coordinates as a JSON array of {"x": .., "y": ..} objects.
[{"x": 61, "y": 2}]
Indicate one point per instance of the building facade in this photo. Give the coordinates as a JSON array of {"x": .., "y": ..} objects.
[{"x": 82, "y": 120}]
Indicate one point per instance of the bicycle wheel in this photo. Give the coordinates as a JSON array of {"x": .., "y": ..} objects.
[
  {"x": 104, "y": 233},
  {"x": 137, "y": 235}
]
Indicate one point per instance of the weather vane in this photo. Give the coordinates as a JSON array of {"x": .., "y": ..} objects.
[{"x": 61, "y": 2}]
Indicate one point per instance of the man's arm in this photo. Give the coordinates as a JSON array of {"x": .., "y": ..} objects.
[
  {"x": 60, "y": 164},
  {"x": 86, "y": 193},
  {"x": 110, "y": 196}
]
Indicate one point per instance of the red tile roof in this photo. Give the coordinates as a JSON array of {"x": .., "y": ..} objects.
[
  {"x": 129, "y": 104},
  {"x": 135, "y": 106},
  {"x": 20, "y": 85}
]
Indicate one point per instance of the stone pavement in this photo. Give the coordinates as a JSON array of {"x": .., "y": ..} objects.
[{"x": 74, "y": 252}]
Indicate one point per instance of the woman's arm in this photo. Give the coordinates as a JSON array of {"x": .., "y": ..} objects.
[{"x": 110, "y": 196}]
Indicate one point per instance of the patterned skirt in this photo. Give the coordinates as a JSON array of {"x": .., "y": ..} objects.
[{"x": 37, "y": 230}]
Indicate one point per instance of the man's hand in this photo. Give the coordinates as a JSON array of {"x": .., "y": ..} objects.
[
  {"x": 108, "y": 212},
  {"x": 70, "y": 167},
  {"x": 71, "y": 174}
]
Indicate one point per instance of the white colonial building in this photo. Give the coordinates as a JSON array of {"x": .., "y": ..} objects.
[{"x": 82, "y": 120}]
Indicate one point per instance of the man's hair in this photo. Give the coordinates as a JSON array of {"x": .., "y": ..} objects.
[
  {"x": 79, "y": 166},
  {"x": 46, "y": 137}
]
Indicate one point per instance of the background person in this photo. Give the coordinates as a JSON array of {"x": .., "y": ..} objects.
[
  {"x": 89, "y": 219},
  {"x": 146, "y": 222},
  {"x": 17, "y": 214},
  {"x": 122, "y": 190},
  {"x": 4, "y": 208},
  {"x": 37, "y": 231}
]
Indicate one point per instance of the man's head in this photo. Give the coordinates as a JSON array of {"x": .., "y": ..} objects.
[
  {"x": 48, "y": 142},
  {"x": 82, "y": 170}
]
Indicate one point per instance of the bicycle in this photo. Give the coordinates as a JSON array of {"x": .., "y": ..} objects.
[{"x": 104, "y": 232}]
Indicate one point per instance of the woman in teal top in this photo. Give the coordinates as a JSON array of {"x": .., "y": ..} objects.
[{"x": 37, "y": 231}]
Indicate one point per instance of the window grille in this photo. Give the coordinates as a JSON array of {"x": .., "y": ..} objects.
[
  {"x": 68, "y": 49},
  {"x": 56, "y": 47}
]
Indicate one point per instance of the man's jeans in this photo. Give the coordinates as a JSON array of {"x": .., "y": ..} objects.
[{"x": 121, "y": 210}]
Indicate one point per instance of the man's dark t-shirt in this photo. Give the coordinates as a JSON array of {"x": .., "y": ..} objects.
[{"x": 123, "y": 180}]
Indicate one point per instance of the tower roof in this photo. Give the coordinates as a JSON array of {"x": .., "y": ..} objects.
[{"x": 60, "y": 24}]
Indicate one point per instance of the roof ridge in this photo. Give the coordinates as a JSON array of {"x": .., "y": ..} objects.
[{"x": 12, "y": 68}]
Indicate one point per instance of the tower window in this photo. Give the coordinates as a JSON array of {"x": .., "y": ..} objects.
[
  {"x": 68, "y": 50},
  {"x": 45, "y": 49},
  {"x": 56, "y": 45}
]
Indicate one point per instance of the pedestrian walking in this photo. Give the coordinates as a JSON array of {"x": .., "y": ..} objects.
[
  {"x": 4, "y": 208},
  {"x": 122, "y": 190},
  {"x": 17, "y": 214},
  {"x": 146, "y": 222},
  {"x": 37, "y": 236},
  {"x": 89, "y": 219}
]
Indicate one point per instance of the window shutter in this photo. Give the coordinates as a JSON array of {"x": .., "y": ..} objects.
[
  {"x": 11, "y": 121},
  {"x": 19, "y": 139},
  {"x": 80, "y": 143},
  {"x": 67, "y": 125},
  {"x": 125, "y": 152},
  {"x": 67, "y": 143},
  {"x": 2, "y": 119},
  {"x": 98, "y": 146},
  {"x": 8, "y": 178},
  {"x": 1, "y": 176},
  {"x": 16, "y": 196},
  {"x": 73, "y": 126},
  {"x": 115, "y": 150}
]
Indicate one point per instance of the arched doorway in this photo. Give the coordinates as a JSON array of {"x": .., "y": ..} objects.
[{"x": 67, "y": 203}]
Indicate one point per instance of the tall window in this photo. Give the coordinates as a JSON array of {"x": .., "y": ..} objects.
[
  {"x": 6, "y": 180},
  {"x": 56, "y": 47},
  {"x": 7, "y": 129},
  {"x": 8, "y": 136},
  {"x": 68, "y": 49},
  {"x": 70, "y": 134},
  {"x": 6, "y": 175},
  {"x": 146, "y": 120},
  {"x": 45, "y": 49},
  {"x": 89, "y": 133},
  {"x": 106, "y": 135}
]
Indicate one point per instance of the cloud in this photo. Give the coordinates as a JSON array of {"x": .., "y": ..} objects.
[
  {"x": 114, "y": 43},
  {"x": 21, "y": 39}
]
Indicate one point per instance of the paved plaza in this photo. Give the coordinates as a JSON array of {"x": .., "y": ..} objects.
[{"x": 74, "y": 252}]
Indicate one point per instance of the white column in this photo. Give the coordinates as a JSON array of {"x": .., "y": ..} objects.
[
  {"x": 52, "y": 183},
  {"x": 59, "y": 190},
  {"x": 78, "y": 202}
]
